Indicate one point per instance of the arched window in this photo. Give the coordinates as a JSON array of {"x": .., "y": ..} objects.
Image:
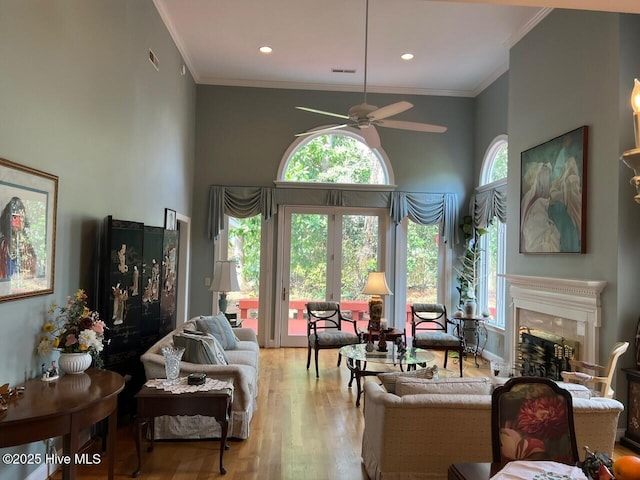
[
  {"x": 338, "y": 157},
  {"x": 494, "y": 165},
  {"x": 492, "y": 288}
]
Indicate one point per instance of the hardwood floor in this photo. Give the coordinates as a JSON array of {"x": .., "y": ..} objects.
[{"x": 305, "y": 428}]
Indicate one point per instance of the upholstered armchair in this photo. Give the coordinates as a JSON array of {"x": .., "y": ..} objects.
[
  {"x": 429, "y": 329},
  {"x": 325, "y": 329}
]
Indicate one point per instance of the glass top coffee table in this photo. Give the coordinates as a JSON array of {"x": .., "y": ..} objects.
[{"x": 358, "y": 358}]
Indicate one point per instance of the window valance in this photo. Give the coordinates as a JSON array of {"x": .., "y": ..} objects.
[
  {"x": 427, "y": 209},
  {"x": 240, "y": 202},
  {"x": 489, "y": 202},
  {"x": 421, "y": 208}
]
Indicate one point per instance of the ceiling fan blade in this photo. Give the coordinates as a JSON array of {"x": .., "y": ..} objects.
[
  {"x": 322, "y": 130},
  {"x": 389, "y": 110},
  {"x": 321, "y": 112},
  {"x": 370, "y": 134},
  {"x": 415, "y": 126}
]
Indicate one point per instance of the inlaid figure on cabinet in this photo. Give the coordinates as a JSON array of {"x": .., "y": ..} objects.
[{"x": 120, "y": 297}]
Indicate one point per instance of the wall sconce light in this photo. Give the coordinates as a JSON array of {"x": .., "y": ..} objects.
[{"x": 631, "y": 158}]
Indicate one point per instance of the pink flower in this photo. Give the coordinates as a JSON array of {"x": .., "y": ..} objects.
[
  {"x": 98, "y": 326},
  {"x": 71, "y": 340}
]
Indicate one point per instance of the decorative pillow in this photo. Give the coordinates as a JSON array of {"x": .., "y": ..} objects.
[
  {"x": 220, "y": 328},
  {"x": 202, "y": 349},
  {"x": 388, "y": 379},
  {"x": 446, "y": 386}
]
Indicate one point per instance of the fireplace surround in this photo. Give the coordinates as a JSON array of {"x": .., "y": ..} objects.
[{"x": 567, "y": 308}]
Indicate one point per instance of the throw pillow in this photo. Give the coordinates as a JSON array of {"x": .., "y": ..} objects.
[
  {"x": 220, "y": 328},
  {"x": 389, "y": 379},
  {"x": 445, "y": 386},
  {"x": 201, "y": 349}
]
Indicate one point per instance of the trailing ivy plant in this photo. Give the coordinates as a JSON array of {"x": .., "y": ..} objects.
[{"x": 467, "y": 272}]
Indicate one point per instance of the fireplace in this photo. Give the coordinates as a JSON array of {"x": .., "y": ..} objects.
[
  {"x": 564, "y": 316},
  {"x": 543, "y": 354}
]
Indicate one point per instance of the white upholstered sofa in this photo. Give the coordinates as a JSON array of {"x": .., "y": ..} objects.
[
  {"x": 242, "y": 369},
  {"x": 418, "y": 435}
]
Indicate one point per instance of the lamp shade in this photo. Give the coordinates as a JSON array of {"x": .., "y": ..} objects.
[
  {"x": 376, "y": 284},
  {"x": 225, "y": 277}
]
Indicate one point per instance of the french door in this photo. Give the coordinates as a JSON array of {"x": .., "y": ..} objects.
[{"x": 326, "y": 254}]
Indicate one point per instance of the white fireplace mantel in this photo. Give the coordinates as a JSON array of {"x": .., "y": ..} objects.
[{"x": 570, "y": 299}]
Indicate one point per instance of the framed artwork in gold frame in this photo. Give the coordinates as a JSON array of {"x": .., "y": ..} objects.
[{"x": 28, "y": 207}]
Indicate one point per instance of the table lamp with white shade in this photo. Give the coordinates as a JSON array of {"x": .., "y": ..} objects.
[
  {"x": 376, "y": 287},
  {"x": 225, "y": 280}
]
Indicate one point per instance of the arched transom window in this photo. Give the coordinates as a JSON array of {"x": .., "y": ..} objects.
[{"x": 338, "y": 157}]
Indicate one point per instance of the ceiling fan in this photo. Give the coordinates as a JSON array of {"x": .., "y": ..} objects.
[{"x": 366, "y": 117}]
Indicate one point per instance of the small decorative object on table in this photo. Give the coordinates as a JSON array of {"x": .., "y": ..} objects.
[
  {"x": 369, "y": 347},
  {"x": 172, "y": 357},
  {"x": 74, "y": 329},
  {"x": 196, "y": 378},
  {"x": 51, "y": 374},
  {"x": 382, "y": 341},
  {"x": 596, "y": 465}
]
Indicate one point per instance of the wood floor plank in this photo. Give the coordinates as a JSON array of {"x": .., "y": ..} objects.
[{"x": 304, "y": 428}]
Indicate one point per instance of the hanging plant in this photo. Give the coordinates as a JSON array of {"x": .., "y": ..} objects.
[{"x": 467, "y": 272}]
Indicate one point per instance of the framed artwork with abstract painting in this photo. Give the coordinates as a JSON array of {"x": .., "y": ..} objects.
[
  {"x": 28, "y": 203},
  {"x": 553, "y": 195}
]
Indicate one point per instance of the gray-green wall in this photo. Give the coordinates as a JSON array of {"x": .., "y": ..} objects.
[
  {"x": 576, "y": 68},
  {"x": 490, "y": 121},
  {"x": 243, "y": 133},
  {"x": 79, "y": 99}
]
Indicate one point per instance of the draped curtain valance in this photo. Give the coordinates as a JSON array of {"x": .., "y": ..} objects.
[
  {"x": 489, "y": 202},
  {"x": 421, "y": 208}
]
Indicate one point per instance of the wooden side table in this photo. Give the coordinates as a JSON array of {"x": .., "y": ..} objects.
[
  {"x": 631, "y": 438},
  {"x": 64, "y": 407},
  {"x": 155, "y": 402}
]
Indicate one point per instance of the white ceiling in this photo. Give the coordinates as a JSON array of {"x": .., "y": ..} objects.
[{"x": 459, "y": 47}]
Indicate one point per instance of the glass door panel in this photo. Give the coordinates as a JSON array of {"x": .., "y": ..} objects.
[
  {"x": 359, "y": 252},
  {"x": 327, "y": 253},
  {"x": 308, "y": 269}
]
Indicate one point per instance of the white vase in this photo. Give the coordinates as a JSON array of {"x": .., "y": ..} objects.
[
  {"x": 470, "y": 308},
  {"x": 74, "y": 363}
]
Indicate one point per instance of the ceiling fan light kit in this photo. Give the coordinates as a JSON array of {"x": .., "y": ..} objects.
[{"x": 366, "y": 117}]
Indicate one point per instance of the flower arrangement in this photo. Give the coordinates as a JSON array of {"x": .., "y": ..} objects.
[{"x": 74, "y": 328}]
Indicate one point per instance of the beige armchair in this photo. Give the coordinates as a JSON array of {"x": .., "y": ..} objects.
[{"x": 587, "y": 373}]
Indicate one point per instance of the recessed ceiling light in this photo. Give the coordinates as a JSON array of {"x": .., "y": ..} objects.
[
  {"x": 407, "y": 56},
  {"x": 266, "y": 49}
]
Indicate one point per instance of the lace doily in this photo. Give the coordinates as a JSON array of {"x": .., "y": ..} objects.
[{"x": 184, "y": 387}]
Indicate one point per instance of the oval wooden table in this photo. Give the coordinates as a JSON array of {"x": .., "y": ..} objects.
[{"x": 64, "y": 407}]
